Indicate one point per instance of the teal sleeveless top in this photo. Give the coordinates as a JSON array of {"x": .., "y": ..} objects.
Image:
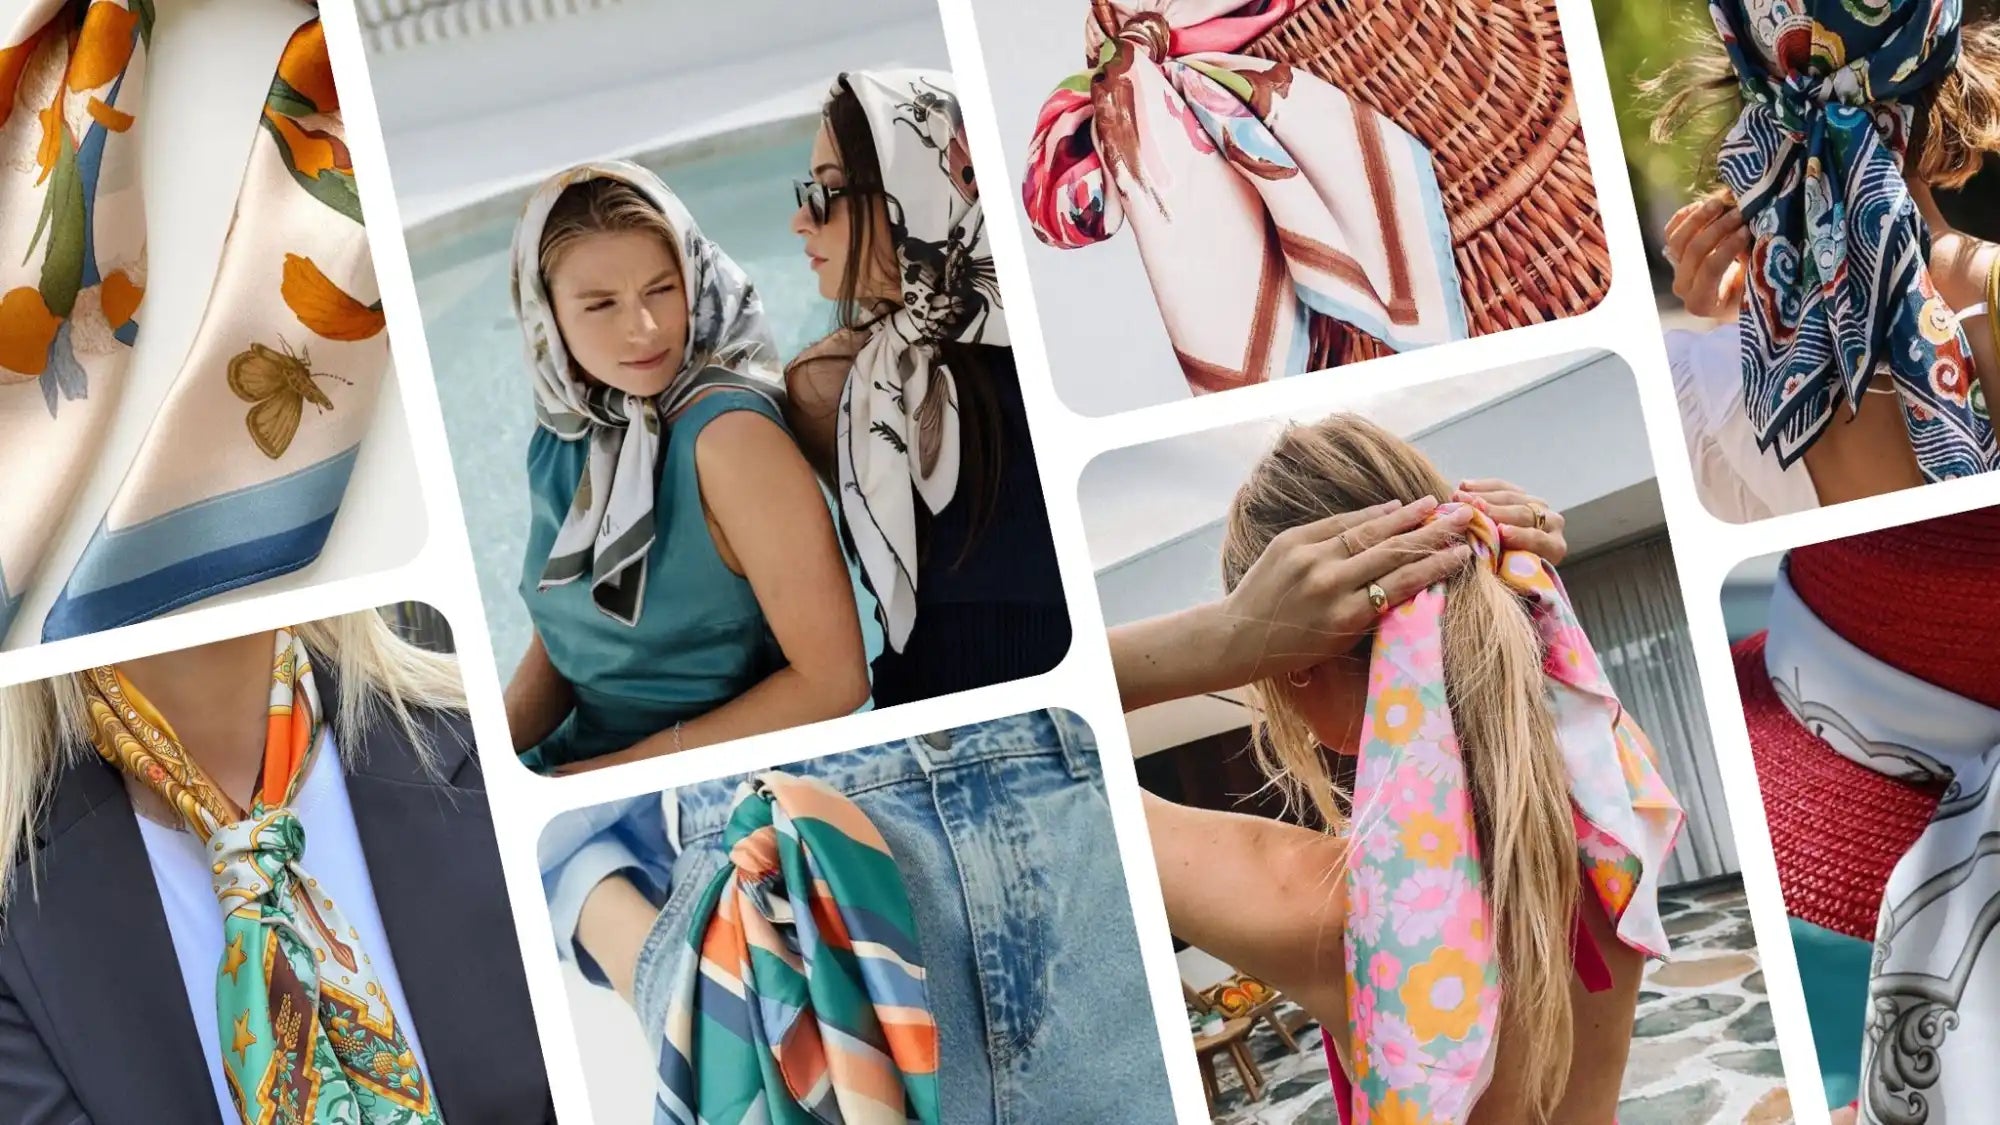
[
  {"x": 701, "y": 639},
  {"x": 1833, "y": 972}
]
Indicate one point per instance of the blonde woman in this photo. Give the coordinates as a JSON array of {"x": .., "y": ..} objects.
[
  {"x": 1471, "y": 955},
  {"x": 255, "y": 875}
]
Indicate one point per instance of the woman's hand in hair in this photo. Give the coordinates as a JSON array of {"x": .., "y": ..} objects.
[
  {"x": 1303, "y": 602},
  {"x": 1526, "y": 523},
  {"x": 1709, "y": 247}
]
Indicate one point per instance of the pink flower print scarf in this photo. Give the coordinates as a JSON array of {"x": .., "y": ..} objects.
[
  {"x": 1423, "y": 971},
  {"x": 1259, "y": 194}
]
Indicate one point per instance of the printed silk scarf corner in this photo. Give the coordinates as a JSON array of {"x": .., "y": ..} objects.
[
  {"x": 242, "y": 469},
  {"x": 1423, "y": 971},
  {"x": 1839, "y": 286},
  {"x": 307, "y": 1033},
  {"x": 1239, "y": 178},
  {"x": 800, "y": 994}
]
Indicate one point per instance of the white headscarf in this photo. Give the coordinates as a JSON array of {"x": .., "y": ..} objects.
[
  {"x": 611, "y": 523},
  {"x": 897, "y": 431}
]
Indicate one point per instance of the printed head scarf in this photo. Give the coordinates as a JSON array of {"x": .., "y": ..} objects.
[
  {"x": 1259, "y": 195},
  {"x": 800, "y": 993},
  {"x": 898, "y": 425},
  {"x": 1839, "y": 285},
  {"x": 1423, "y": 970},
  {"x": 611, "y": 522},
  {"x": 307, "y": 1032}
]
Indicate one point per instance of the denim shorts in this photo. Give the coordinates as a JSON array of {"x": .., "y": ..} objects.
[{"x": 1004, "y": 840}]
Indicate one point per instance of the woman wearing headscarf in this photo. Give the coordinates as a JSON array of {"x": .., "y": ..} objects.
[
  {"x": 913, "y": 408},
  {"x": 1864, "y": 344},
  {"x": 682, "y": 572}
]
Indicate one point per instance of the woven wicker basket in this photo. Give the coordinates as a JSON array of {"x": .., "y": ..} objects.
[{"x": 1485, "y": 85}]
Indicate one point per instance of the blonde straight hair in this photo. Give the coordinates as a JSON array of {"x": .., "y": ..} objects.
[
  {"x": 1495, "y": 689},
  {"x": 381, "y": 676}
]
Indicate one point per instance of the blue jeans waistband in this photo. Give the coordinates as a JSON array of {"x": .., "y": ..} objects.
[{"x": 704, "y": 807}]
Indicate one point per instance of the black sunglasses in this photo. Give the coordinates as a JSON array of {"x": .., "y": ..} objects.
[{"x": 817, "y": 198}]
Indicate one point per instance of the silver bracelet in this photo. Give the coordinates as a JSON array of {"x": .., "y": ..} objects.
[{"x": 678, "y": 745}]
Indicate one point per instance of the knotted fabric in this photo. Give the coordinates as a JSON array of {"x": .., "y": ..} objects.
[
  {"x": 800, "y": 995},
  {"x": 1258, "y": 193},
  {"x": 307, "y": 1033},
  {"x": 1934, "y": 988},
  {"x": 1838, "y": 285},
  {"x": 247, "y": 460},
  {"x": 1424, "y": 983},
  {"x": 612, "y": 520},
  {"x": 897, "y": 430}
]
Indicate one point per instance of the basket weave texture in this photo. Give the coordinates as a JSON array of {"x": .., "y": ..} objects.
[{"x": 1485, "y": 85}]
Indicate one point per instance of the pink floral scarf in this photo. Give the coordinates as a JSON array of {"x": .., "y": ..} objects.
[
  {"x": 1423, "y": 971},
  {"x": 1259, "y": 194}
]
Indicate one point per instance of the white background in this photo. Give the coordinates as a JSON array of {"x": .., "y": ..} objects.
[{"x": 210, "y": 68}]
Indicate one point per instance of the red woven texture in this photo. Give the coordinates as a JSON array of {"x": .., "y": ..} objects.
[
  {"x": 1920, "y": 598},
  {"x": 1837, "y": 828}
]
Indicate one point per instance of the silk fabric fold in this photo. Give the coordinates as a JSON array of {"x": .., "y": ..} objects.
[
  {"x": 1258, "y": 194},
  {"x": 307, "y": 1032},
  {"x": 1424, "y": 987}
]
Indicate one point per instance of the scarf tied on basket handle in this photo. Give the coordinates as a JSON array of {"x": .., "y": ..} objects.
[
  {"x": 1258, "y": 194},
  {"x": 307, "y": 1032},
  {"x": 800, "y": 993},
  {"x": 1838, "y": 283},
  {"x": 1423, "y": 968}
]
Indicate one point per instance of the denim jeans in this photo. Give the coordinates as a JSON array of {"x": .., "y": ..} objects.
[{"x": 1003, "y": 836}]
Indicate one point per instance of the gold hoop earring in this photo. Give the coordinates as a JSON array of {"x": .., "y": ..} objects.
[{"x": 1299, "y": 679}]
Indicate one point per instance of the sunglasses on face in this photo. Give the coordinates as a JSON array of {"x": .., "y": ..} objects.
[{"x": 817, "y": 199}]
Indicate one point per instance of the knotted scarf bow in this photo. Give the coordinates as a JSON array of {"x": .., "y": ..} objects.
[
  {"x": 611, "y": 522},
  {"x": 800, "y": 995},
  {"x": 307, "y": 1033},
  {"x": 240, "y": 474},
  {"x": 1423, "y": 971},
  {"x": 1258, "y": 193},
  {"x": 897, "y": 430},
  {"x": 1839, "y": 283}
]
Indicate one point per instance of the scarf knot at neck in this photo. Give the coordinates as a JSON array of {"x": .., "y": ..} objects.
[{"x": 254, "y": 857}]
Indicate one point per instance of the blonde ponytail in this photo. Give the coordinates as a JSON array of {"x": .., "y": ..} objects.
[{"x": 1498, "y": 698}]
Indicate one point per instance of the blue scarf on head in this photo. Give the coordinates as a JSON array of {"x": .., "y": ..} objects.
[{"x": 1838, "y": 283}]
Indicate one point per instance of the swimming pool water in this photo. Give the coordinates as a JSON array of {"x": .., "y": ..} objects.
[{"x": 743, "y": 202}]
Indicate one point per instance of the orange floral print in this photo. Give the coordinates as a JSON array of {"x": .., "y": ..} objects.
[
  {"x": 306, "y": 69},
  {"x": 1441, "y": 995},
  {"x": 323, "y": 307},
  {"x": 115, "y": 120},
  {"x": 104, "y": 47},
  {"x": 27, "y": 328},
  {"x": 120, "y": 298}
]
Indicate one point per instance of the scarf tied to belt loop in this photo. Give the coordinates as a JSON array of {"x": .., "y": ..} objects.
[
  {"x": 307, "y": 1031},
  {"x": 800, "y": 994},
  {"x": 1838, "y": 284},
  {"x": 1259, "y": 195},
  {"x": 1423, "y": 965}
]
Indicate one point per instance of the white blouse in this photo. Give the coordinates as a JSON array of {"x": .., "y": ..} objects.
[{"x": 1736, "y": 481}]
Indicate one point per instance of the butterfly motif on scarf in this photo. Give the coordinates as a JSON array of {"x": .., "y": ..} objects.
[{"x": 278, "y": 382}]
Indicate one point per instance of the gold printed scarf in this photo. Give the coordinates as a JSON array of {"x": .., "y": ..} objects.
[
  {"x": 308, "y": 1036},
  {"x": 242, "y": 470}
]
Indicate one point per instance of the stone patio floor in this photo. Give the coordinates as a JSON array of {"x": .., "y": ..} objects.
[{"x": 1703, "y": 1051}]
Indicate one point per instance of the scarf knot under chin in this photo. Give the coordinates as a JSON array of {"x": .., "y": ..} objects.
[{"x": 253, "y": 857}]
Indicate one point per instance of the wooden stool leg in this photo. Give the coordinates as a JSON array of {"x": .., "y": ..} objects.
[
  {"x": 1246, "y": 1069},
  {"x": 1208, "y": 1088},
  {"x": 1284, "y": 1036}
]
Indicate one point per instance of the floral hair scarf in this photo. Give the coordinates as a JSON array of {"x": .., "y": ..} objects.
[
  {"x": 1424, "y": 982},
  {"x": 1259, "y": 195},
  {"x": 609, "y": 528},
  {"x": 1838, "y": 285},
  {"x": 308, "y": 1037},
  {"x": 800, "y": 995},
  {"x": 247, "y": 459},
  {"x": 897, "y": 431}
]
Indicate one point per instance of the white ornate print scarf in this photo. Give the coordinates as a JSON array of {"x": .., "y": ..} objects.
[
  {"x": 897, "y": 432},
  {"x": 247, "y": 460},
  {"x": 611, "y": 522},
  {"x": 1933, "y": 1013}
]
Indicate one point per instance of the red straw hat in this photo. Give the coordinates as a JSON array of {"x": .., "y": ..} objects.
[{"x": 1918, "y": 598}]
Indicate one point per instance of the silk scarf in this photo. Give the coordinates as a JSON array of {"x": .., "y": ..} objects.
[
  {"x": 1934, "y": 989},
  {"x": 897, "y": 430},
  {"x": 1839, "y": 285},
  {"x": 241, "y": 472},
  {"x": 800, "y": 994},
  {"x": 1424, "y": 982},
  {"x": 612, "y": 519},
  {"x": 307, "y": 1034},
  {"x": 1258, "y": 194}
]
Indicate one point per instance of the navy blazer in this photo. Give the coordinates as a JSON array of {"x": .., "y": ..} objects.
[{"x": 95, "y": 1026}]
